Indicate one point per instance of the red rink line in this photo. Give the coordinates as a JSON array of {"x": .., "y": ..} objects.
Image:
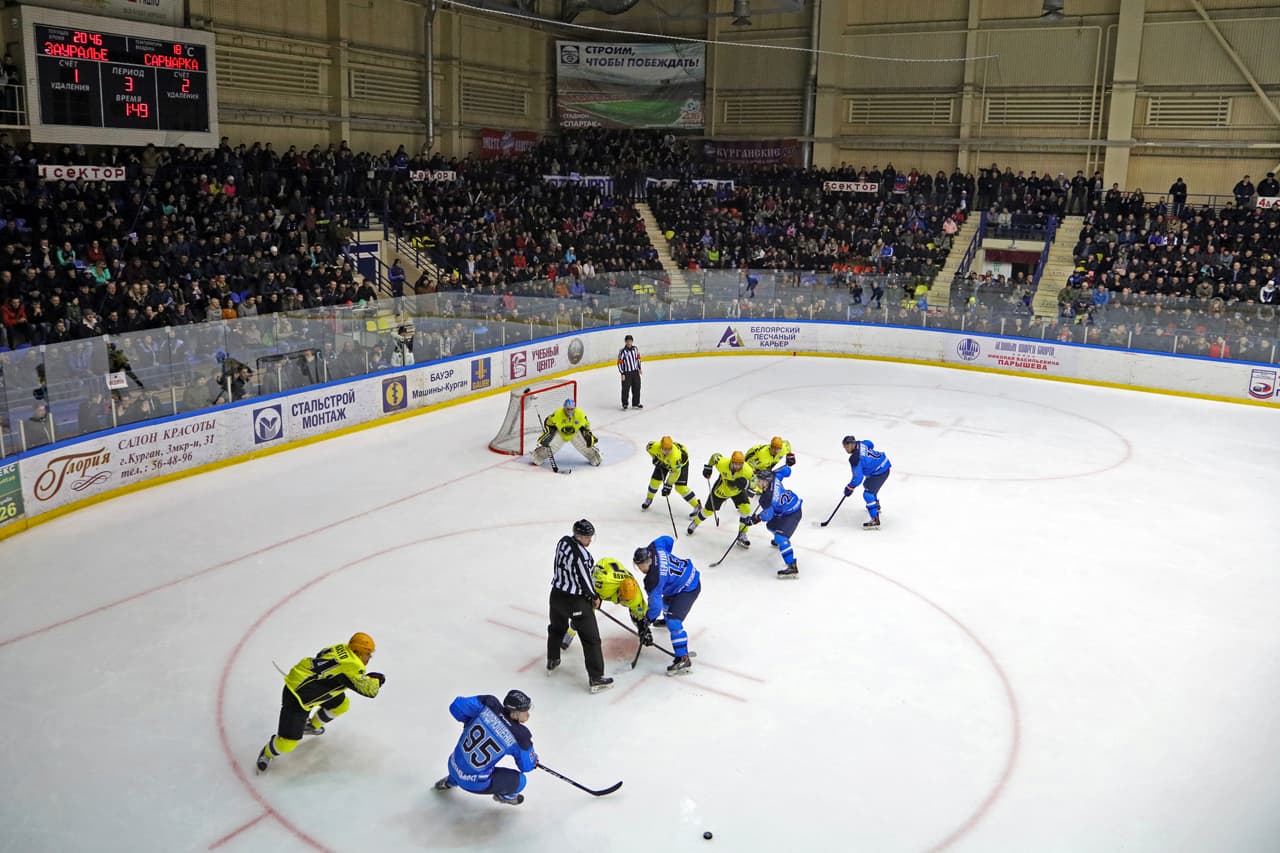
[
  {"x": 527, "y": 633},
  {"x": 231, "y": 561},
  {"x": 233, "y": 833}
]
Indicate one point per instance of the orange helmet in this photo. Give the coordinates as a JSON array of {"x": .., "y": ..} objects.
[
  {"x": 361, "y": 643},
  {"x": 667, "y": 444},
  {"x": 737, "y": 460},
  {"x": 775, "y": 443}
]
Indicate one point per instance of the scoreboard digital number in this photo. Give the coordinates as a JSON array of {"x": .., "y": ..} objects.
[{"x": 94, "y": 79}]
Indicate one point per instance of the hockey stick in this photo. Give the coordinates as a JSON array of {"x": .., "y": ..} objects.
[
  {"x": 550, "y": 453},
  {"x": 635, "y": 660},
  {"x": 725, "y": 555},
  {"x": 666, "y": 652},
  {"x": 602, "y": 792},
  {"x": 675, "y": 532},
  {"x": 833, "y": 513}
]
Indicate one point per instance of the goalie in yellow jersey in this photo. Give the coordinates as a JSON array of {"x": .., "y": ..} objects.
[
  {"x": 733, "y": 484},
  {"x": 320, "y": 683},
  {"x": 614, "y": 583},
  {"x": 566, "y": 424},
  {"x": 670, "y": 470},
  {"x": 766, "y": 457}
]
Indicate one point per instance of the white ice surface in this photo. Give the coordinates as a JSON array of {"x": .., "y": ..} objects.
[{"x": 1064, "y": 638}]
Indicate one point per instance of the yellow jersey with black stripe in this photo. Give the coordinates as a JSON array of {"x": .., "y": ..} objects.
[
  {"x": 614, "y": 583},
  {"x": 317, "y": 679},
  {"x": 762, "y": 458},
  {"x": 677, "y": 458}
]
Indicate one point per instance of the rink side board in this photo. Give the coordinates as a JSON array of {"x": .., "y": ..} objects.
[{"x": 80, "y": 472}]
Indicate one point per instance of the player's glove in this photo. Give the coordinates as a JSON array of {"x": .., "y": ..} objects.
[
  {"x": 646, "y": 635},
  {"x": 706, "y": 472},
  {"x": 382, "y": 679},
  {"x": 753, "y": 519},
  {"x": 666, "y": 489},
  {"x": 589, "y": 437},
  {"x": 848, "y": 490},
  {"x": 791, "y": 459}
]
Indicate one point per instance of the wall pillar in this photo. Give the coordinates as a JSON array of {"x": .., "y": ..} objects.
[{"x": 1124, "y": 92}]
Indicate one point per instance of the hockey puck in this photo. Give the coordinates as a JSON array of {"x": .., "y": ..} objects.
[{"x": 707, "y": 835}]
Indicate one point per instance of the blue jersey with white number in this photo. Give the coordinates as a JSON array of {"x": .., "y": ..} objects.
[
  {"x": 487, "y": 736},
  {"x": 866, "y": 461},
  {"x": 668, "y": 575},
  {"x": 777, "y": 500}
]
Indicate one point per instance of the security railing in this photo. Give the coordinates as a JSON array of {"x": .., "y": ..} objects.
[{"x": 60, "y": 391}]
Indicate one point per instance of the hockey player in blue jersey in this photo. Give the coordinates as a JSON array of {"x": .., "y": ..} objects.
[
  {"x": 869, "y": 463},
  {"x": 673, "y": 585},
  {"x": 780, "y": 511},
  {"x": 491, "y": 730}
]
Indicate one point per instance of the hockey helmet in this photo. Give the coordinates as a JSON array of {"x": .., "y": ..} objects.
[
  {"x": 737, "y": 460},
  {"x": 642, "y": 555},
  {"x": 361, "y": 643},
  {"x": 582, "y": 527},
  {"x": 516, "y": 701},
  {"x": 847, "y": 440},
  {"x": 775, "y": 443},
  {"x": 667, "y": 444},
  {"x": 764, "y": 479},
  {"x": 569, "y": 404}
]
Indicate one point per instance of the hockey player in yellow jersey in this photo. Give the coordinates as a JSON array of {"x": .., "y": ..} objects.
[
  {"x": 670, "y": 470},
  {"x": 320, "y": 683},
  {"x": 733, "y": 484},
  {"x": 766, "y": 457},
  {"x": 614, "y": 583},
  {"x": 567, "y": 424}
]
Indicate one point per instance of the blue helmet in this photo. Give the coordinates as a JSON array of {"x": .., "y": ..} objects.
[{"x": 569, "y": 404}]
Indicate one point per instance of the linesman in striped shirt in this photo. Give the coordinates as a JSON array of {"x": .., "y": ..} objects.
[
  {"x": 629, "y": 367},
  {"x": 574, "y": 602}
]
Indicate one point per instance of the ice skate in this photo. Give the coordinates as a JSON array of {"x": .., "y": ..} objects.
[
  {"x": 790, "y": 572},
  {"x": 637, "y": 406},
  {"x": 313, "y": 727},
  {"x": 697, "y": 510},
  {"x": 680, "y": 666},
  {"x": 601, "y": 683},
  {"x": 693, "y": 525},
  {"x": 264, "y": 761},
  {"x": 873, "y": 524},
  {"x": 443, "y": 785},
  {"x": 648, "y": 502},
  {"x": 552, "y": 664},
  {"x": 509, "y": 799},
  {"x": 742, "y": 541}
]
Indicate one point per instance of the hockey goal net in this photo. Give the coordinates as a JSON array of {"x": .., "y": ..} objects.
[{"x": 526, "y": 407}]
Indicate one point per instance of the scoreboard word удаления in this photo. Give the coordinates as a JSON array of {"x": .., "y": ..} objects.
[{"x": 90, "y": 78}]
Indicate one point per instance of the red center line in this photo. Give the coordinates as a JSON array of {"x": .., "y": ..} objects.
[
  {"x": 700, "y": 685},
  {"x": 517, "y": 630},
  {"x": 233, "y": 833}
]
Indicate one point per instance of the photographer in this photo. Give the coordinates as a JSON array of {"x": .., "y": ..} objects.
[{"x": 402, "y": 352}]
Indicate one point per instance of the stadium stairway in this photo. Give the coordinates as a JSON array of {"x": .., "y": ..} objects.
[
  {"x": 680, "y": 290},
  {"x": 940, "y": 293},
  {"x": 1058, "y": 266}
]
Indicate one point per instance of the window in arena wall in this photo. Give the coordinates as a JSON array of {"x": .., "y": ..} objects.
[
  {"x": 1048, "y": 109},
  {"x": 761, "y": 109},
  {"x": 900, "y": 109},
  {"x": 1213, "y": 111},
  {"x": 494, "y": 98},
  {"x": 287, "y": 74},
  {"x": 384, "y": 83}
]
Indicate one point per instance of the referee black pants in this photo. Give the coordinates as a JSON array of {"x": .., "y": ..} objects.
[
  {"x": 631, "y": 382},
  {"x": 578, "y": 611}
]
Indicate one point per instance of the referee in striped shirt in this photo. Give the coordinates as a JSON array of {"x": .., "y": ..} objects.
[
  {"x": 629, "y": 367},
  {"x": 574, "y": 602}
]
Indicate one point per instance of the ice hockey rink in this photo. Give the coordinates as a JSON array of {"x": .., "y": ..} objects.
[{"x": 1064, "y": 637}]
